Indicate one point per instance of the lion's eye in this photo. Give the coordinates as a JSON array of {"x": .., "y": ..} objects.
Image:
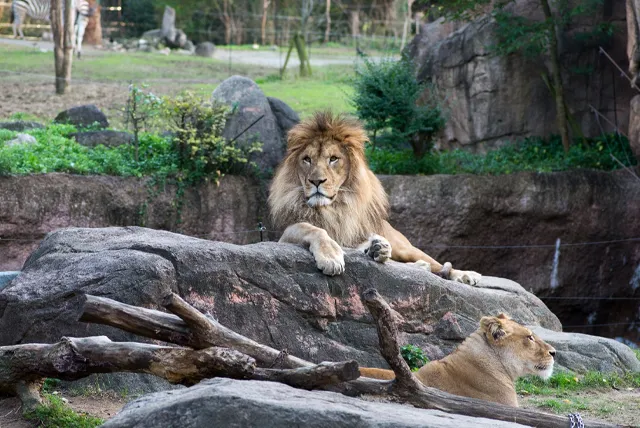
[
  {"x": 531, "y": 338},
  {"x": 333, "y": 159},
  {"x": 307, "y": 160}
]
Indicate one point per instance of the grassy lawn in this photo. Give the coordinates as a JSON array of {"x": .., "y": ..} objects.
[{"x": 27, "y": 75}]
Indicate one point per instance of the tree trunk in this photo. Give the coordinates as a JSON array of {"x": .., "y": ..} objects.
[
  {"x": 561, "y": 113},
  {"x": 57, "y": 28},
  {"x": 327, "y": 31},
  {"x": 93, "y": 32},
  {"x": 263, "y": 29}
]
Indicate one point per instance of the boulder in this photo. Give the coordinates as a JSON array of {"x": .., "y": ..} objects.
[
  {"x": 20, "y": 125},
  {"x": 250, "y": 104},
  {"x": 21, "y": 139},
  {"x": 493, "y": 99},
  {"x": 151, "y": 39},
  {"x": 106, "y": 138},
  {"x": 189, "y": 46},
  {"x": 582, "y": 352},
  {"x": 237, "y": 403},
  {"x": 83, "y": 117},
  {"x": 205, "y": 49},
  {"x": 286, "y": 117},
  {"x": 270, "y": 292}
]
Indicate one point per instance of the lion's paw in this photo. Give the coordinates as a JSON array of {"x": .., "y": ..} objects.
[
  {"x": 379, "y": 249},
  {"x": 423, "y": 265},
  {"x": 329, "y": 257},
  {"x": 465, "y": 276}
]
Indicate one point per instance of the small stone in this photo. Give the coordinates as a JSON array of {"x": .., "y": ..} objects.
[{"x": 22, "y": 139}]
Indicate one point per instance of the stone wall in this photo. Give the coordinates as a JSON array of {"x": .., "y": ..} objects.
[{"x": 503, "y": 226}]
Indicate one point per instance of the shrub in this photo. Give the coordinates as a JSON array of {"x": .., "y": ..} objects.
[
  {"x": 201, "y": 149},
  {"x": 389, "y": 98},
  {"x": 414, "y": 356},
  {"x": 532, "y": 154}
]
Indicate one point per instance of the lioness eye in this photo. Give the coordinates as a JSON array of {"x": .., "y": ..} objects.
[
  {"x": 306, "y": 159},
  {"x": 333, "y": 159},
  {"x": 530, "y": 338}
]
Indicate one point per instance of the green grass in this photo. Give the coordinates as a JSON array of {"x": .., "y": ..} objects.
[
  {"x": 565, "y": 382},
  {"x": 54, "y": 413},
  {"x": 532, "y": 154}
]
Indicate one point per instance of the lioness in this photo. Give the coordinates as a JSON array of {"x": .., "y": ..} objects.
[
  {"x": 326, "y": 197},
  {"x": 487, "y": 363}
]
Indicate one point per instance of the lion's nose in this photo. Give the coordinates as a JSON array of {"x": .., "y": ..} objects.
[
  {"x": 553, "y": 353},
  {"x": 317, "y": 183}
]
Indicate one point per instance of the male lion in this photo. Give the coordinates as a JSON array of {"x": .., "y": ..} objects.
[
  {"x": 487, "y": 363},
  {"x": 327, "y": 197}
]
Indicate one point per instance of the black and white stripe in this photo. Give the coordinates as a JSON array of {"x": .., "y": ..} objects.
[{"x": 41, "y": 10}]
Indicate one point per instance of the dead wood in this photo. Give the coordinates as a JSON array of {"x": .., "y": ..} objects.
[{"x": 412, "y": 391}]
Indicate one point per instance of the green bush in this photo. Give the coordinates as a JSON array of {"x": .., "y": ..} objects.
[
  {"x": 55, "y": 414},
  {"x": 563, "y": 381},
  {"x": 389, "y": 99},
  {"x": 414, "y": 356},
  {"x": 532, "y": 154}
]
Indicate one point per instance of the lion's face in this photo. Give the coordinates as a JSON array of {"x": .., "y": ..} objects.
[
  {"x": 323, "y": 167},
  {"x": 523, "y": 351}
]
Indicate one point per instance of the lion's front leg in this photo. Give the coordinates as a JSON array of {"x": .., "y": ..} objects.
[
  {"x": 377, "y": 247},
  {"x": 327, "y": 253}
]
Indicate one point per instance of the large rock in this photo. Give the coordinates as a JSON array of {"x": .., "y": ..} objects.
[
  {"x": 6, "y": 278},
  {"x": 107, "y": 138},
  {"x": 83, "y": 117},
  {"x": 286, "y": 117},
  {"x": 235, "y": 403},
  {"x": 205, "y": 49},
  {"x": 495, "y": 99},
  {"x": 21, "y": 139},
  {"x": 270, "y": 292},
  {"x": 582, "y": 352},
  {"x": 250, "y": 104},
  {"x": 20, "y": 125}
]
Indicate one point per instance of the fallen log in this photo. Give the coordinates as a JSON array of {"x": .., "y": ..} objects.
[{"x": 412, "y": 391}]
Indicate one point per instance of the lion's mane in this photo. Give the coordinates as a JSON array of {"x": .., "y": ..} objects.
[{"x": 361, "y": 206}]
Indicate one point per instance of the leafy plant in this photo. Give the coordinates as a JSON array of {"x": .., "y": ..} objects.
[
  {"x": 141, "y": 108},
  {"x": 414, "y": 356},
  {"x": 388, "y": 98},
  {"x": 56, "y": 414},
  {"x": 564, "y": 381}
]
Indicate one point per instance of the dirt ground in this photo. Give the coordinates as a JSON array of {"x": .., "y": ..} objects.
[{"x": 103, "y": 406}]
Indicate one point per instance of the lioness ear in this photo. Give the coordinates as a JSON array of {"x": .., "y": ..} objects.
[
  {"x": 492, "y": 327},
  {"x": 504, "y": 317}
]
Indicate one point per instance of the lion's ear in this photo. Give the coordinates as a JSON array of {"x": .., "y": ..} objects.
[
  {"x": 504, "y": 317},
  {"x": 493, "y": 328}
]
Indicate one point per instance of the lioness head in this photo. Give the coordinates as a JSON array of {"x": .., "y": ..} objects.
[
  {"x": 324, "y": 179},
  {"x": 521, "y": 350}
]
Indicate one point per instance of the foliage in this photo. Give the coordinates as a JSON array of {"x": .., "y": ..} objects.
[
  {"x": 563, "y": 381},
  {"x": 533, "y": 154},
  {"x": 388, "y": 97},
  {"x": 55, "y": 414},
  {"x": 141, "y": 108},
  {"x": 140, "y": 16},
  {"x": 50, "y": 384},
  {"x": 198, "y": 142},
  {"x": 414, "y": 356}
]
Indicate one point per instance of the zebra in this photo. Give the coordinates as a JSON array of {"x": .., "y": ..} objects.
[{"x": 41, "y": 9}]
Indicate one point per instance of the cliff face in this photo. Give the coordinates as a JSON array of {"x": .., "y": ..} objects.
[{"x": 494, "y": 99}]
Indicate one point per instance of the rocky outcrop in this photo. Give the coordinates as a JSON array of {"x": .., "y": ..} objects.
[
  {"x": 499, "y": 226},
  {"x": 83, "y": 117},
  {"x": 253, "y": 115},
  {"x": 286, "y": 117},
  {"x": 234, "y": 403},
  {"x": 494, "y": 99},
  {"x": 634, "y": 126}
]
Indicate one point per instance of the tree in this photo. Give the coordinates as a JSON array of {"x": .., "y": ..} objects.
[
  {"x": 62, "y": 28},
  {"x": 263, "y": 26},
  {"x": 327, "y": 15},
  {"x": 407, "y": 23}
]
